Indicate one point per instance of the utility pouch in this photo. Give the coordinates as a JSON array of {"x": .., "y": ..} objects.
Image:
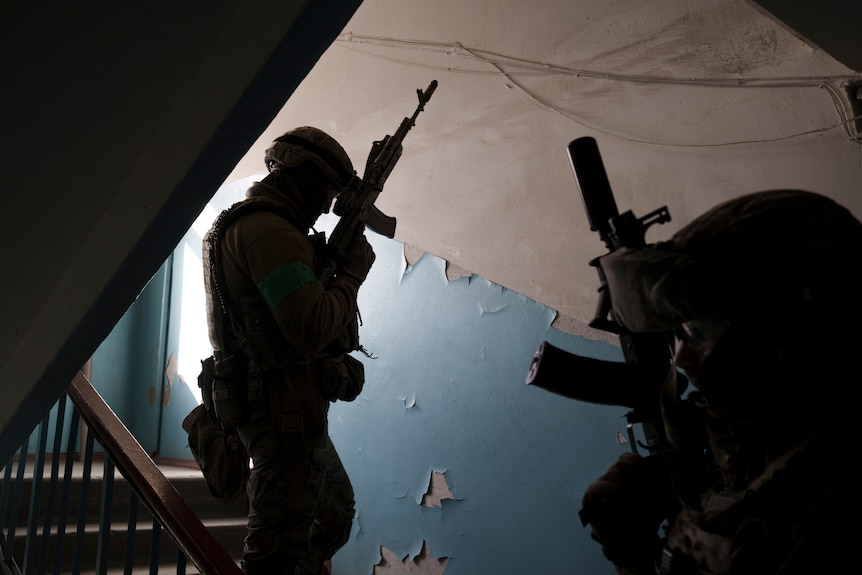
[
  {"x": 348, "y": 339},
  {"x": 220, "y": 455},
  {"x": 229, "y": 391},
  {"x": 341, "y": 378}
]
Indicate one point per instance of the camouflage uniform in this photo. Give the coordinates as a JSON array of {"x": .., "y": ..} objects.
[
  {"x": 763, "y": 284},
  {"x": 301, "y": 500}
]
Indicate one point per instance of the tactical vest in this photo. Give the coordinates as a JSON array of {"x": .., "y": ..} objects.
[
  {"x": 225, "y": 318},
  {"x": 245, "y": 333}
]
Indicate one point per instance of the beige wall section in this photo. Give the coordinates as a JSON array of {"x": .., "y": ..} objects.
[{"x": 691, "y": 103}]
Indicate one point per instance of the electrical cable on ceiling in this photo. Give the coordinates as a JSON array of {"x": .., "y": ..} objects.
[{"x": 531, "y": 67}]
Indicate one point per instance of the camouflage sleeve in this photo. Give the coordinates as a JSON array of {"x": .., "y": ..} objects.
[{"x": 278, "y": 262}]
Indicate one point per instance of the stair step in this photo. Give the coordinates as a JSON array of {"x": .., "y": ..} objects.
[
  {"x": 226, "y": 523},
  {"x": 227, "y": 533},
  {"x": 188, "y": 483}
]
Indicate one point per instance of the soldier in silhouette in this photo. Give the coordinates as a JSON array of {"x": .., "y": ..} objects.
[
  {"x": 280, "y": 339},
  {"x": 763, "y": 295}
]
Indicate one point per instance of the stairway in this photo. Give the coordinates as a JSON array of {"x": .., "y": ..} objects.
[{"x": 225, "y": 522}]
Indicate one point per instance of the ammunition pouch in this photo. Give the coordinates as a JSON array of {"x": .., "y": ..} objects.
[
  {"x": 229, "y": 391},
  {"x": 340, "y": 378}
]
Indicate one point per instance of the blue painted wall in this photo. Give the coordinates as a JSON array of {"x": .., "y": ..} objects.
[
  {"x": 447, "y": 393},
  {"x": 128, "y": 367}
]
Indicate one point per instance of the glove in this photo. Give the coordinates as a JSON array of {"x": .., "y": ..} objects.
[
  {"x": 625, "y": 507},
  {"x": 357, "y": 262}
]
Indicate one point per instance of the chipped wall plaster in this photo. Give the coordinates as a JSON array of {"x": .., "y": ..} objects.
[
  {"x": 438, "y": 490},
  {"x": 422, "y": 564},
  {"x": 561, "y": 322},
  {"x": 447, "y": 447}
]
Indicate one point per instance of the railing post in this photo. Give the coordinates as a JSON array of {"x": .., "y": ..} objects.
[
  {"x": 132, "y": 531},
  {"x": 52, "y": 486},
  {"x": 105, "y": 518},
  {"x": 67, "y": 487},
  {"x": 35, "y": 497},
  {"x": 82, "y": 512},
  {"x": 15, "y": 507}
]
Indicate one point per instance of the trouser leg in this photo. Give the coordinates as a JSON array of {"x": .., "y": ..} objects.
[
  {"x": 281, "y": 506},
  {"x": 334, "y": 517}
]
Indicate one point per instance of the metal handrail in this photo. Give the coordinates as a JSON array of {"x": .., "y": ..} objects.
[{"x": 147, "y": 480}]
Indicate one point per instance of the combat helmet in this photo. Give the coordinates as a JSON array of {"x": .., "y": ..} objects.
[
  {"x": 310, "y": 144},
  {"x": 787, "y": 256}
]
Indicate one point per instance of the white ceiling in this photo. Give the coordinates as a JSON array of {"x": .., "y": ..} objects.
[
  {"x": 691, "y": 103},
  {"x": 121, "y": 120}
]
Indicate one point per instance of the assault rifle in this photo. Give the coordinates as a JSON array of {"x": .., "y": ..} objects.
[
  {"x": 636, "y": 382},
  {"x": 355, "y": 206}
]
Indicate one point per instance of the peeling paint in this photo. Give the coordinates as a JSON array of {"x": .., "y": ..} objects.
[
  {"x": 438, "y": 490},
  {"x": 171, "y": 370},
  {"x": 409, "y": 400},
  {"x": 151, "y": 396},
  {"x": 491, "y": 308},
  {"x": 422, "y": 564},
  {"x": 412, "y": 254},
  {"x": 571, "y": 326},
  {"x": 454, "y": 272},
  {"x": 409, "y": 257},
  {"x": 398, "y": 490}
]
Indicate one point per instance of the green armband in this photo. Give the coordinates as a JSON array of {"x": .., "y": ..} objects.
[{"x": 283, "y": 281}]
